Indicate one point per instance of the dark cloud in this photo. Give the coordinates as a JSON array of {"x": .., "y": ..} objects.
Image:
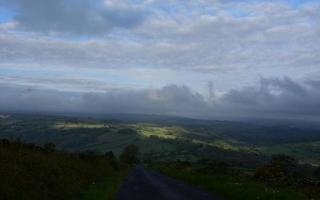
[
  {"x": 272, "y": 98},
  {"x": 167, "y": 100},
  {"x": 268, "y": 90},
  {"x": 29, "y": 99},
  {"x": 81, "y": 17}
]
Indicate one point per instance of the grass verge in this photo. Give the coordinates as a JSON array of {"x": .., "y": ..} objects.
[
  {"x": 106, "y": 189},
  {"x": 232, "y": 187}
]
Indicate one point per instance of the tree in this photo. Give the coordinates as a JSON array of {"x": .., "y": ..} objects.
[
  {"x": 113, "y": 160},
  {"x": 130, "y": 155}
]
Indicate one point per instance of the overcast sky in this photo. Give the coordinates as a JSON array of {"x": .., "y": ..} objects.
[{"x": 204, "y": 58}]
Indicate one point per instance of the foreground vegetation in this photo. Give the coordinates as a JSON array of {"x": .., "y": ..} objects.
[
  {"x": 28, "y": 171},
  {"x": 231, "y": 159},
  {"x": 271, "y": 182},
  {"x": 166, "y": 138}
]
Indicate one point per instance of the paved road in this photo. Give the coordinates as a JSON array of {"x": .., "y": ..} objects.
[{"x": 142, "y": 184}]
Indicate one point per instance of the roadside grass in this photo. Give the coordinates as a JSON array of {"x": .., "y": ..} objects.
[
  {"x": 106, "y": 189},
  {"x": 233, "y": 187}
]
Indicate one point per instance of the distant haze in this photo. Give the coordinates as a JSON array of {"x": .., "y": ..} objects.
[{"x": 211, "y": 59}]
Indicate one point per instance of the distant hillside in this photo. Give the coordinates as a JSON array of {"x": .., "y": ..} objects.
[{"x": 166, "y": 137}]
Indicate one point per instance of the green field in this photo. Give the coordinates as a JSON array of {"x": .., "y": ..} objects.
[{"x": 164, "y": 139}]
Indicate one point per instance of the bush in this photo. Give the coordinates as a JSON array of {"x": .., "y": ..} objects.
[
  {"x": 130, "y": 155},
  {"x": 113, "y": 160}
]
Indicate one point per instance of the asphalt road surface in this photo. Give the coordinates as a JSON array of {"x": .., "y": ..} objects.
[{"x": 143, "y": 184}]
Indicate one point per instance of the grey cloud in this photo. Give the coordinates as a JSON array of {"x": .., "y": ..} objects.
[
  {"x": 287, "y": 39},
  {"x": 275, "y": 40},
  {"x": 314, "y": 83},
  {"x": 252, "y": 102},
  {"x": 274, "y": 98},
  {"x": 218, "y": 43},
  {"x": 171, "y": 99},
  {"x": 30, "y": 99},
  {"x": 167, "y": 100},
  {"x": 285, "y": 85},
  {"x": 83, "y": 17},
  {"x": 70, "y": 84},
  {"x": 111, "y": 54}
]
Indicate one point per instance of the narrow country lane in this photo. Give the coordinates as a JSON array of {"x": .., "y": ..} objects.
[{"x": 142, "y": 184}]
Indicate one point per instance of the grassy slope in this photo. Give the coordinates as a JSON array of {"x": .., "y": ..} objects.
[
  {"x": 32, "y": 172},
  {"x": 233, "y": 187}
]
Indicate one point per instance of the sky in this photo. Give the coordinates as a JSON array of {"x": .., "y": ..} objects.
[{"x": 210, "y": 59}]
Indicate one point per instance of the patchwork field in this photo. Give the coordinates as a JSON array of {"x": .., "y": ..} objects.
[{"x": 165, "y": 139}]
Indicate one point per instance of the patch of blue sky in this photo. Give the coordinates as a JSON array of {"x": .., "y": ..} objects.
[
  {"x": 70, "y": 4},
  {"x": 6, "y": 15},
  {"x": 300, "y": 3},
  {"x": 170, "y": 8},
  {"x": 29, "y": 72},
  {"x": 237, "y": 13},
  {"x": 72, "y": 38},
  {"x": 209, "y": 11},
  {"x": 57, "y": 37},
  {"x": 293, "y": 3}
]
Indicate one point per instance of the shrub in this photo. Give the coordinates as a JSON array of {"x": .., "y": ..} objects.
[
  {"x": 113, "y": 160},
  {"x": 130, "y": 155}
]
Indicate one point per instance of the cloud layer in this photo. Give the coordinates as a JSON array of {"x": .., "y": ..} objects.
[
  {"x": 272, "y": 98},
  {"x": 80, "y": 17},
  {"x": 258, "y": 58}
]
